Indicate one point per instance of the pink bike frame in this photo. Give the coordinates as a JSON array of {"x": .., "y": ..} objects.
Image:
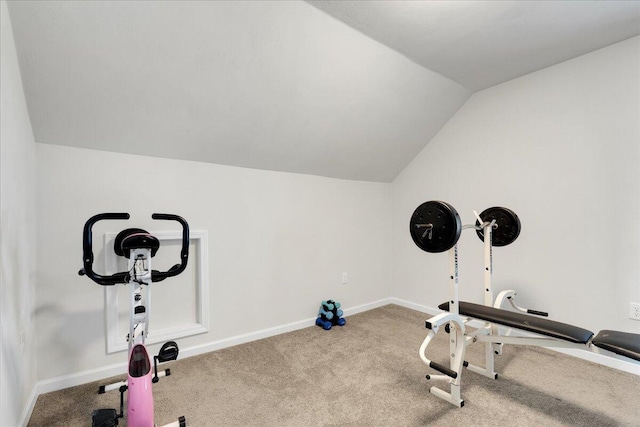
[
  {"x": 139, "y": 380},
  {"x": 138, "y": 275}
]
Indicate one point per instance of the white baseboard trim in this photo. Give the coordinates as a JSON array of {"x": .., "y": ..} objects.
[
  {"x": 72, "y": 380},
  {"x": 365, "y": 307},
  {"x": 417, "y": 307},
  {"x": 28, "y": 410},
  {"x": 277, "y": 330},
  {"x": 245, "y": 338}
]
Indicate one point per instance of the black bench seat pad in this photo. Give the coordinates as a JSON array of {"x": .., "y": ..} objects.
[
  {"x": 523, "y": 321},
  {"x": 622, "y": 343}
]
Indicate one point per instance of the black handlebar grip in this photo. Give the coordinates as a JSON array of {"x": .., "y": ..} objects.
[
  {"x": 158, "y": 276},
  {"x": 112, "y": 215},
  {"x": 440, "y": 368},
  {"x": 164, "y": 216},
  {"x": 86, "y": 234},
  {"x": 87, "y": 250}
]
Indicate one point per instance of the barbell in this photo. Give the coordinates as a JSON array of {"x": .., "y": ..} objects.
[{"x": 435, "y": 226}]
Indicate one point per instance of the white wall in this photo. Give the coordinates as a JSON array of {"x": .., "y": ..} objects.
[
  {"x": 278, "y": 244},
  {"x": 17, "y": 238},
  {"x": 561, "y": 148}
]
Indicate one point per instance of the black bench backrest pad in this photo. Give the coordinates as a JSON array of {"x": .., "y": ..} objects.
[
  {"x": 523, "y": 321},
  {"x": 622, "y": 343}
]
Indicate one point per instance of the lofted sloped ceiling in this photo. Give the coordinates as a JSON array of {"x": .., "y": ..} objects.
[
  {"x": 283, "y": 85},
  {"x": 483, "y": 43}
]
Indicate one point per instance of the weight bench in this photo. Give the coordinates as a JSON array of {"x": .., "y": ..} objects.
[
  {"x": 621, "y": 343},
  {"x": 435, "y": 226},
  {"x": 543, "y": 333}
]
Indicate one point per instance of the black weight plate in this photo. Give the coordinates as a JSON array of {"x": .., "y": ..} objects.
[
  {"x": 508, "y": 225},
  {"x": 445, "y": 230}
]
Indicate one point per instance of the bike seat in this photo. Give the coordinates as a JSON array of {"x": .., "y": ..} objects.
[{"x": 135, "y": 238}]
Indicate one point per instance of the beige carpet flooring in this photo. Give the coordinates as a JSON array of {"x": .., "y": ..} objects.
[{"x": 367, "y": 373}]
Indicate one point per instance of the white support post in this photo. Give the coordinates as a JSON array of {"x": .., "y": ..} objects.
[
  {"x": 488, "y": 263},
  {"x": 139, "y": 275},
  {"x": 490, "y": 348},
  {"x": 454, "y": 309},
  {"x": 457, "y": 331},
  {"x": 456, "y": 335},
  {"x": 453, "y": 280}
]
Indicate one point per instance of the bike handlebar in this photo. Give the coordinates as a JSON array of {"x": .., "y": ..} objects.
[
  {"x": 157, "y": 276},
  {"x": 122, "y": 277}
]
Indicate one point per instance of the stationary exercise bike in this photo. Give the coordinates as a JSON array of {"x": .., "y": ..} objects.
[{"x": 138, "y": 246}]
